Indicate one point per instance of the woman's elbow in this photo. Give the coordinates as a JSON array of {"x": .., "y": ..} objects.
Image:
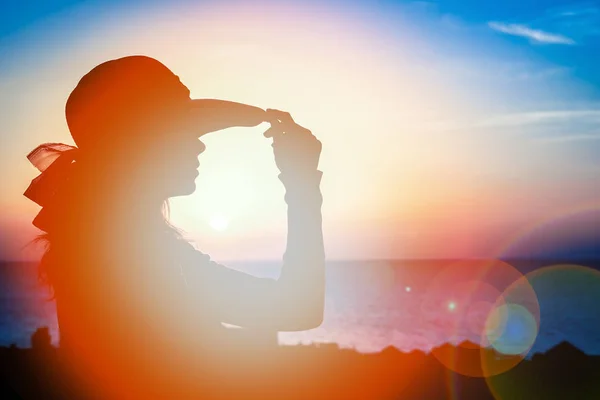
[
  {"x": 297, "y": 326},
  {"x": 302, "y": 320},
  {"x": 314, "y": 321},
  {"x": 300, "y": 309}
]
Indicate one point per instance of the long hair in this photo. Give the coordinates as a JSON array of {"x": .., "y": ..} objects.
[
  {"x": 90, "y": 202},
  {"x": 49, "y": 263}
]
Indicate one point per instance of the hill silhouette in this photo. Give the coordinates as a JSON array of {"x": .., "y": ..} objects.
[{"x": 326, "y": 371}]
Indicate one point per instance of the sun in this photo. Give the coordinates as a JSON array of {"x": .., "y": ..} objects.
[{"x": 219, "y": 222}]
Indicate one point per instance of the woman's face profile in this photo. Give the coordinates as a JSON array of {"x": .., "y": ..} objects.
[
  {"x": 179, "y": 162},
  {"x": 169, "y": 163}
]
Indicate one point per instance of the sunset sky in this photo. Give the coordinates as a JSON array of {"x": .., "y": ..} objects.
[{"x": 448, "y": 127}]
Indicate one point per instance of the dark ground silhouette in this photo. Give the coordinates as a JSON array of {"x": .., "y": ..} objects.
[{"x": 327, "y": 372}]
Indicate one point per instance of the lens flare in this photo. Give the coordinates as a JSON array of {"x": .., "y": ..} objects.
[
  {"x": 477, "y": 315},
  {"x": 568, "y": 297},
  {"x": 452, "y": 306},
  {"x": 516, "y": 332},
  {"x": 566, "y": 234},
  {"x": 487, "y": 329}
]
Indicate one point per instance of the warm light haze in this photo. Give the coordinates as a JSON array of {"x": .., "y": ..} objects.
[{"x": 444, "y": 134}]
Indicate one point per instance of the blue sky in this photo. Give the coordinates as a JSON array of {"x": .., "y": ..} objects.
[
  {"x": 557, "y": 39},
  {"x": 566, "y": 34}
]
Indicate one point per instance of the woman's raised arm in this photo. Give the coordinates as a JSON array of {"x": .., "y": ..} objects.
[{"x": 295, "y": 301}]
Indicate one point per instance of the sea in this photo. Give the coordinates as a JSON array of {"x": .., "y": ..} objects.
[{"x": 524, "y": 307}]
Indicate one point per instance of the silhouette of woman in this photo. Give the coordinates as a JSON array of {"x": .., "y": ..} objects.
[{"x": 139, "y": 308}]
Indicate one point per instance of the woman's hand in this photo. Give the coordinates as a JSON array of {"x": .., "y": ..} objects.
[{"x": 296, "y": 149}]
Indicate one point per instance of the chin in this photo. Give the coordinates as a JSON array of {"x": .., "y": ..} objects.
[{"x": 184, "y": 189}]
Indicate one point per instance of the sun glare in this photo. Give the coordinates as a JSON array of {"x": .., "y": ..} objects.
[{"x": 219, "y": 223}]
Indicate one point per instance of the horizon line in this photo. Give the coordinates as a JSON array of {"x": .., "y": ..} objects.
[{"x": 366, "y": 259}]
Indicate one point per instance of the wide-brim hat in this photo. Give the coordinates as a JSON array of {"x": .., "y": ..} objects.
[
  {"x": 121, "y": 102},
  {"x": 129, "y": 95}
]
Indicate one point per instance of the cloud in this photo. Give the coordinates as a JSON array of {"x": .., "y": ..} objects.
[
  {"x": 585, "y": 9},
  {"x": 570, "y": 138},
  {"x": 542, "y": 74},
  {"x": 532, "y": 34},
  {"x": 556, "y": 126},
  {"x": 542, "y": 117},
  {"x": 531, "y": 122}
]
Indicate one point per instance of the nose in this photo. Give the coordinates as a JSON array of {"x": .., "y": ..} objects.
[{"x": 200, "y": 147}]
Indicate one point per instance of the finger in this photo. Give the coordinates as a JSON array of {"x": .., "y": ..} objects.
[
  {"x": 272, "y": 131},
  {"x": 275, "y": 129},
  {"x": 288, "y": 123},
  {"x": 282, "y": 116}
]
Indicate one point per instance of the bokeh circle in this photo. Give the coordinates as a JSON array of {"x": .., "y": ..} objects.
[
  {"x": 569, "y": 332},
  {"x": 470, "y": 306}
]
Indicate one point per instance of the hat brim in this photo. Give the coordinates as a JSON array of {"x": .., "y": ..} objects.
[{"x": 211, "y": 115}]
